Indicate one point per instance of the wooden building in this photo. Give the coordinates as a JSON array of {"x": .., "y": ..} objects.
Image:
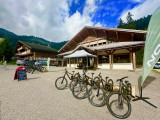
[
  {"x": 32, "y": 51},
  {"x": 115, "y": 48}
]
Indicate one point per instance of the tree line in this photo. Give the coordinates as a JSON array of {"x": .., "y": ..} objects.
[
  {"x": 140, "y": 24},
  {"x": 6, "y": 50}
]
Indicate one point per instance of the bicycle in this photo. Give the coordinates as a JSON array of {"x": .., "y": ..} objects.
[
  {"x": 80, "y": 89},
  {"x": 118, "y": 103},
  {"x": 61, "y": 82},
  {"x": 97, "y": 93}
]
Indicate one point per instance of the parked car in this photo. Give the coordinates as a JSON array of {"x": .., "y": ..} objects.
[
  {"x": 157, "y": 65},
  {"x": 21, "y": 61},
  {"x": 41, "y": 63}
]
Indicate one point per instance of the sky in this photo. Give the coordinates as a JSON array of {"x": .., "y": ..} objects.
[{"x": 60, "y": 20}]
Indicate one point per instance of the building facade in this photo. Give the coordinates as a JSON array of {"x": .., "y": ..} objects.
[
  {"x": 114, "y": 47},
  {"x": 32, "y": 51}
]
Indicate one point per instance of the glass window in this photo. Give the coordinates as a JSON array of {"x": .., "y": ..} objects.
[
  {"x": 91, "y": 45},
  {"x": 72, "y": 60},
  {"x": 121, "y": 58},
  {"x": 95, "y": 44},
  {"x": 103, "y": 59},
  {"x": 99, "y": 43},
  {"x": 109, "y": 41},
  {"x": 104, "y": 43}
]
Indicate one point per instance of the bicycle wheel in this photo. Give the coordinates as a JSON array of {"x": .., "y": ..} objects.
[
  {"x": 96, "y": 96},
  {"x": 72, "y": 83},
  {"x": 61, "y": 83},
  {"x": 79, "y": 90},
  {"x": 118, "y": 105}
]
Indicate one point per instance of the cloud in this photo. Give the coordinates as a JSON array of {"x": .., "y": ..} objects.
[
  {"x": 48, "y": 19},
  {"x": 145, "y": 8}
]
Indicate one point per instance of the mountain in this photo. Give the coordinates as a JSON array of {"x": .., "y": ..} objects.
[{"x": 13, "y": 38}]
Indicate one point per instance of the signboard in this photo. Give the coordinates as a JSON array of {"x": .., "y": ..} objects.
[{"x": 20, "y": 73}]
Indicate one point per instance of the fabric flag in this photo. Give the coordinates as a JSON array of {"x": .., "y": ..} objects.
[
  {"x": 152, "y": 45},
  {"x": 48, "y": 62}
]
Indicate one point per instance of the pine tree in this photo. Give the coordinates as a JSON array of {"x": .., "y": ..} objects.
[
  {"x": 129, "y": 18},
  {"x": 6, "y": 51},
  {"x": 121, "y": 23}
]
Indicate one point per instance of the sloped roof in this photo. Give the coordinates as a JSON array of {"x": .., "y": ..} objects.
[
  {"x": 38, "y": 47},
  {"x": 117, "y": 45},
  {"x": 88, "y": 30}
]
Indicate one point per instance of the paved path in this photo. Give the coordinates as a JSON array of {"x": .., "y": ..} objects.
[{"x": 38, "y": 99}]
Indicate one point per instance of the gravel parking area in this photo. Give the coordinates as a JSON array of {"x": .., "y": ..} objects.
[{"x": 38, "y": 99}]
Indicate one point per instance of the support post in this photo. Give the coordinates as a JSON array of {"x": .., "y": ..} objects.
[
  {"x": 110, "y": 61},
  {"x": 97, "y": 60},
  {"x": 134, "y": 60},
  {"x": 69, "y": 62},
  {"x": 62, "y": 62}
]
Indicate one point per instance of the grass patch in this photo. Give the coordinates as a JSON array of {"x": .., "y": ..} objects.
[
  {"x": 156, "y": 71},
  {"x": 12, "y": 62}
]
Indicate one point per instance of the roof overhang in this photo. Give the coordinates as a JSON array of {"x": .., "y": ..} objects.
[
  {"x": 93, "y": 31},
  {"x": 110, "y": 47}
]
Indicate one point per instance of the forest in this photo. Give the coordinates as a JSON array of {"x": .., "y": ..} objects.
[{"x": 140, "y": 24}]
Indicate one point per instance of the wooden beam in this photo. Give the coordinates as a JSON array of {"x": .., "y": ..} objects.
[
  {"x": 111, "y": 61},
  {"x": 87, "y": 31},
  {"x": 69, "y": 47},
  {"x": 132, "y": 35},
  {"x": 144, "y": 38},
  {"x": 74, "y": 43},
  {"x": 95, "y": 32},
  {"x": 134, "y": 61},
  {"x": 117, "y": 36},
  {"x": 106, "y": 36},
  {"x": 109, "y": 52},
  {"x": 80, "y": 37}
]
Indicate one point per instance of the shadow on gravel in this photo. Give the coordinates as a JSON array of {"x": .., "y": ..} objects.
[
  {"x": 33, "y": 78},
  {"x": 148, "y": 80}
]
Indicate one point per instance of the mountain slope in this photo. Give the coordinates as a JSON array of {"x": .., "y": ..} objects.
[{"x": 13, "y": 38}]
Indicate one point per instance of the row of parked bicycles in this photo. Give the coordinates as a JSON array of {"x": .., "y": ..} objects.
[
  {"x": 30, "y": 67},
  {"x": 99, "y": 91}
]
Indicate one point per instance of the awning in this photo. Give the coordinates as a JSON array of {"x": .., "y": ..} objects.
[{"x": 80, "y": 53}]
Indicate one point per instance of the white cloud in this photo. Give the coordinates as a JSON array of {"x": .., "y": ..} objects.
[
  {"x": 145, "y": 8},
  {"x": 48, "y": 19}
]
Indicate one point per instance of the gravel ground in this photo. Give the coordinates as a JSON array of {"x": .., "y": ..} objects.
[{"x": 38, "y": 99}]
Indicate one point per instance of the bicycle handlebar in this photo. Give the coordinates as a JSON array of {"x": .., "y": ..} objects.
[{"x": 122, "y": 78}]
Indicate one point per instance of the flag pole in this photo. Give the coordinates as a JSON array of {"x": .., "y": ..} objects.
[{"x": 143, "y": 98}]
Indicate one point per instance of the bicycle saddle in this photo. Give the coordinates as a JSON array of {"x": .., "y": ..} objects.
[
  {"x": 73, "y": 71},
  {"x": 107, "y": 77},
  {"x": 92, "y": 73},
  {"x": 126, "y": 81}
]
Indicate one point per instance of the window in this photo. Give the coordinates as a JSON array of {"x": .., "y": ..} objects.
[
  {"x": 91, "y": 45},
  {"x": 109, "y": 41},
  {"x": 103, "y": 59},
  {"x": 104, "y": 43},
  {"x": 95, "y": 44},
  {"x": 121, "y": 58},
  {"x": 99, "y": 43},
  {"x": 72, "y": 60}
]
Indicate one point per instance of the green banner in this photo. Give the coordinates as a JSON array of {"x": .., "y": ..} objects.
[{"x": 152, "y": 45}]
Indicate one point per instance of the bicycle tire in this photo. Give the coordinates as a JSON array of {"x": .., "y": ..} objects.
[
  {"x": 71, "y": 84},
  {"x": 63, "y": 82},
  {"x": 79, "y": 90},
  {"x": 118, "y": 107},
  {"x": 96, "y": 96}
]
